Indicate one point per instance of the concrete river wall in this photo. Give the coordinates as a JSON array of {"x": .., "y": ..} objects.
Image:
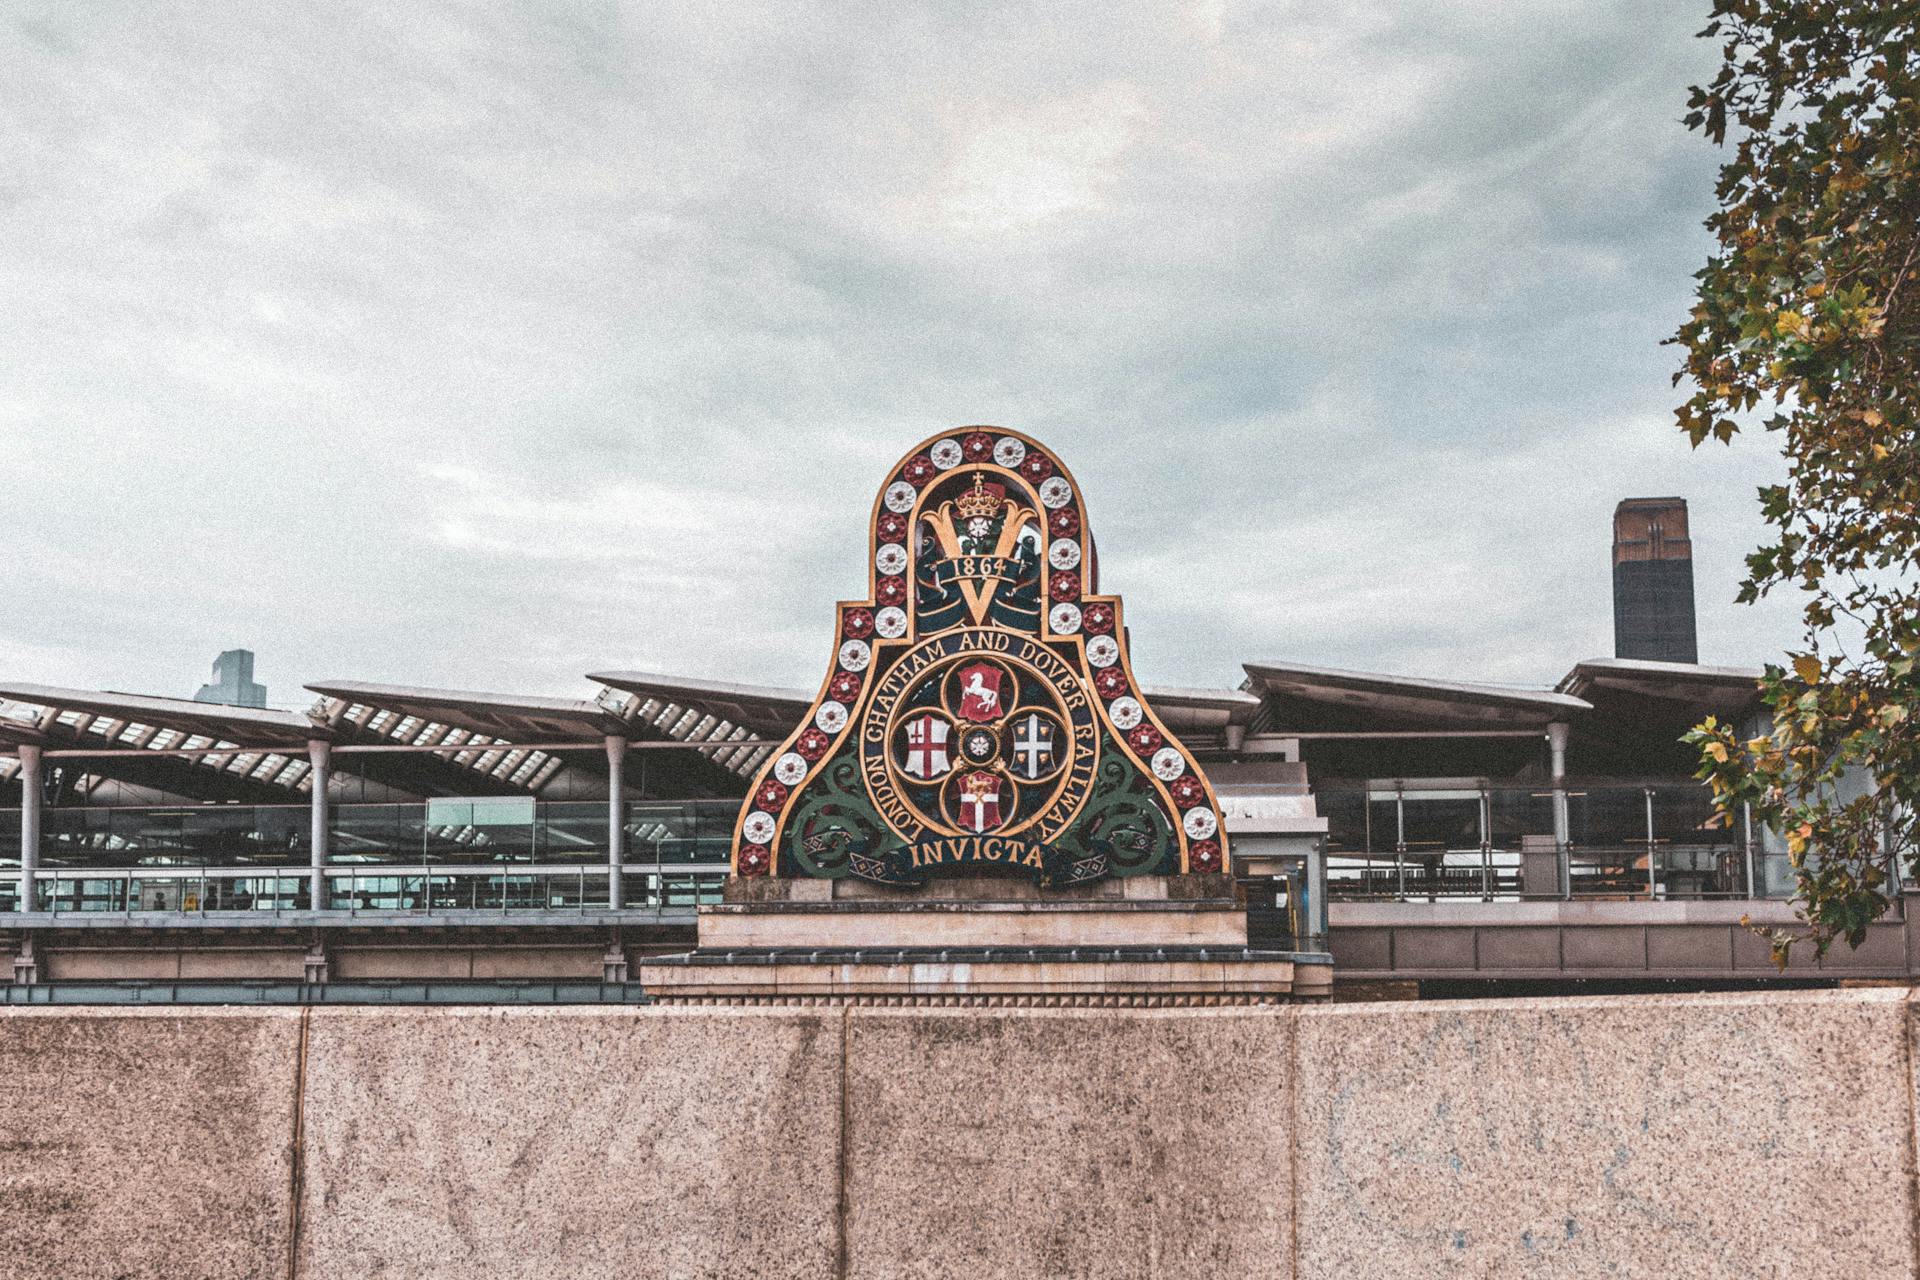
[{"x": 1697, "y": 1136}]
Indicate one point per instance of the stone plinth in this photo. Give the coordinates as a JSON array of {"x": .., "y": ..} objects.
[
  {"x": 1142, "y": 940},
  {"x": 1051, "y": 977},
  {"x": 976, "y": 911}
]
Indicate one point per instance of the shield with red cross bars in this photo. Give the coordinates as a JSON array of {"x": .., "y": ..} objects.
[
  {"x": 980, "y": 802},
  {"x": 927, "y": 747}
]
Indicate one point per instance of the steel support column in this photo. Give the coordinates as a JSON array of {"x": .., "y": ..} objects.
[
  {"x": 32, "y": 796},
  {"x": 321, "y": 754},
  {"x": 1557, "y": 734},
  {"x": 1746, "y": 844},
  {"x": 616, "y": 820},
  {"x": 1400, "y": 842},
  {"x": 1653, "y": 850}
]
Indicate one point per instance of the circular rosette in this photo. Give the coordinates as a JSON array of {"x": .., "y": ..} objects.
[{"x": 979, "y": 745}]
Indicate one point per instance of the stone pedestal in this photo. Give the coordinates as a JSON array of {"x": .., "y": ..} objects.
[{"x": 1135, "y": 941}]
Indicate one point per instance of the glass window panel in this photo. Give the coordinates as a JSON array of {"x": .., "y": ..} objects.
[
  {"x": 1346, "y": 815},
  {"x": 571, "y": 831},
  {"x": 1517, "y": 813}
]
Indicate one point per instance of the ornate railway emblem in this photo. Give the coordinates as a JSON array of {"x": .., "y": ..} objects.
[{"x": 982, "y": 711}]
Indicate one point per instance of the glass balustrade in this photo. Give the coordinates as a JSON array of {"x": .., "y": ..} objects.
[
  {"x": 158, "y": 835},
  {"x": 1430, "y": 840},
  {"x": 484, "y": 854}
]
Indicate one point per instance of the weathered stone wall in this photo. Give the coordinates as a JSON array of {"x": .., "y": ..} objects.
[{"x": 1701, "y": 1136}]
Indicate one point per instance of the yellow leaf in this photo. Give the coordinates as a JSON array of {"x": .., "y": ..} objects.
[
  {"x": 1718, "y": 750},
  {"x": 1808, "y": 668}
]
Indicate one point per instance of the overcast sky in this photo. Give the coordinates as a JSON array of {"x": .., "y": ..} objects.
[{"x": 484, "y": 346}]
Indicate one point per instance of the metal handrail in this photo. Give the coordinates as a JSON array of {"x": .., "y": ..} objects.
[{"x": 286, "y": 895}]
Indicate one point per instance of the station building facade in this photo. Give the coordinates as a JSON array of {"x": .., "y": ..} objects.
[{"x": 424, "y": 843}]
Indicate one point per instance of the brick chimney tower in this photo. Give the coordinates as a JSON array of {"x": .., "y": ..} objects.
[{"x": 1653, "y": 581}]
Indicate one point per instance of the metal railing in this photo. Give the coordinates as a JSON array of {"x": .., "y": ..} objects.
[
  {"x": 385, "y": 890},
  {"x": 1494, "y": 875},
  {"x": 1421, "y": 840},
  {"x": 464, "y": 830}
]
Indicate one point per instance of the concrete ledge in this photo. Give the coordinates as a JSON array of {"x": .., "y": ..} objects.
[
  {"x": 1562, "y": 912},
  {"x": 1701, "y": 1136}
]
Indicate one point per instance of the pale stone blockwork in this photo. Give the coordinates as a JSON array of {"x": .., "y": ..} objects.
[
  {"x": 146, "y": 1144},
  {"x": 1698, "y": 1136},
  {"x": 1068, "y": 1143},
  {"x": 570, "y": 1143}
]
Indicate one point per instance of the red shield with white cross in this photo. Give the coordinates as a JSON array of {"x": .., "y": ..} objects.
[
  {"x": 978, "y": 802},
  {"x": 980, "y": 692}
]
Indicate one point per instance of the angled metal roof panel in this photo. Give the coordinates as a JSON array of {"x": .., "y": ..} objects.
[
  {"x": 241, "y": 726},
  {"x": 1647, "y": 670},
  {"x": 767, "y": 711},
  {"x": 1333, "y": 685},
  {"x": 1719, "y": 689},
  {"x": 515, "y": 717}
]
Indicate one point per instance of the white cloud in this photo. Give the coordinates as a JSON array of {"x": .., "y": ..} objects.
[{"x": 486, "y": 345}]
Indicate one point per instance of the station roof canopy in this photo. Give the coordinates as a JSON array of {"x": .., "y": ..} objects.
[
  {"x": 1201, "y": 716},
  {"x": 762, "y": 710},
  {"x": 1723, "y": 691},
  {"x": 503, "y": 716},
  {"x": 1303, "y": 697},
  {"x": 243, "y": 726},
  {"x": 455, "y": 740},
  {"x": 218, "y": 742}
]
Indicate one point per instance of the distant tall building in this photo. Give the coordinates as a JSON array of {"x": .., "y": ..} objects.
[
  {"x": 233, "y": 681},
  {"x": 1653, "y": 581}
]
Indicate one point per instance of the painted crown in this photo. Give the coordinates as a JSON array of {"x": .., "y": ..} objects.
[{"x": 980, "y": 500}]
